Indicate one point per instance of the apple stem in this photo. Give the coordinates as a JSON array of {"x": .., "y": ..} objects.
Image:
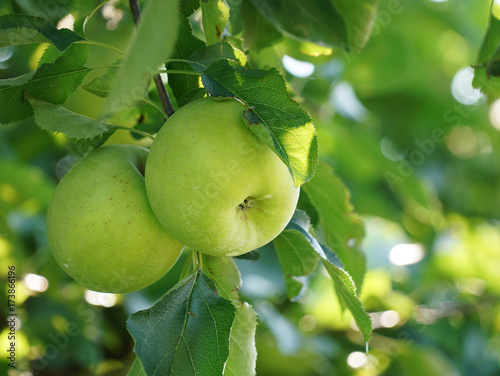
[{"x": 160, "y": 86}]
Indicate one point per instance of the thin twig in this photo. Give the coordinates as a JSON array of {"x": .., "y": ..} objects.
[{"x": 160, "y": 86}]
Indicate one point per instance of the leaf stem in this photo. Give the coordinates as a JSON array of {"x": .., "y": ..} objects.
[
  {"x": 185, "y": 61},
  {"x": 193, "y": 73},
  {"x": 133, "y": 130},
  {"x": 91, "y": 14},
  {"x": 99, "y": 44},
  {"x": 160, "y": 86}
]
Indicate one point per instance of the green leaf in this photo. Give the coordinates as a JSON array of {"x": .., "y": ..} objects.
[
  {"x": 184, "y": 85},
  {"x": 18, "y": 29},
  {"x": 235, "y": 24},
  {"x": 298, "y": 260},
  {"x": 250, "y": 256},
  {"x": 272, "y": 115},
  {"x": 341, "y": 228},
  {"x": 77, "y": 52},
  {"x": 298, "y": 252},
  {"x": 136, "y": 369},
  {"x": 487, "y": 69},
  {"x": 359, "y": 17},
  {"x": 258, "y": 32},
  {"x": 100, "y": 85},
  {"x": 315, "y": 21},
  {"x": 346, "y": 289},
  {"x": 147, "y": 50},
  {"x": 54, "y": 83},
  {"x": 225, "y": 274},
  {"x": 206, "y": 56},
  {"x": 54, "y": 118},
  {"x": 186, "y": 332},
  {"x": 242, "y": 351},
  {"x": 187, "y": 7},
  {"x": 215, "y": 14}
]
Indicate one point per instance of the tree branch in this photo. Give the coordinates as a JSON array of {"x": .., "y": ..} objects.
[{"x": 160, "y": 86}]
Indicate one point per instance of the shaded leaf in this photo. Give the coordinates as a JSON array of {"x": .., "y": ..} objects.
[
  {"x": 186, "y": 332},
  {"x": 316, "y": 21},
  {"x": 147, "y": 50},
  {"x": 251, "y": 256},
  {"x": 225, "y": 274},
  {"x": 242, "y": 351},
  {"x": 258, "y": 32},
  {"x": 100, "y": 85},
  {"x": 23, "y": 29},
  {"x": 54, "y": 118},
  {"x": 359, "y": 17},
  {"x": 487, "y": 69},
  {"x": 272, "y": 115},
  {"x": 341, "y": 229},
  {"x": 298, "y": 260},
  {"x": 184, "y": 86},
  {"x": 187, "y": 7},
  {"x": 77, "y": 52},
  {"x": 54, "y": 82}
]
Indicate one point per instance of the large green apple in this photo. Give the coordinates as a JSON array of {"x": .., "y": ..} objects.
[
  {"x": 213, "y": 184},
  {"x": 100, "y": 227}
]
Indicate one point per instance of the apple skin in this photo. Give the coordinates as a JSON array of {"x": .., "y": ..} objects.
[
  {"x": 213, "y": 184},
  {"x": 100, "y": 227}
]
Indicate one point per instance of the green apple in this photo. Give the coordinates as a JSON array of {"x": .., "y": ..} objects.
[
  {"x": 213, "y": 184},
  {"x": 100, "y": 227}
]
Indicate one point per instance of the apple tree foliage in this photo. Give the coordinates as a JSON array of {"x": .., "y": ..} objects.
[{"x": 194, "y": 48}]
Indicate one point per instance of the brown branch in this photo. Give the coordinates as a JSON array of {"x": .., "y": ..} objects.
[{"x": 160, "y": 86}]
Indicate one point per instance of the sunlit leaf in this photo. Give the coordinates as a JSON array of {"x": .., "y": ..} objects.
[{"x": 273, "y": 116}]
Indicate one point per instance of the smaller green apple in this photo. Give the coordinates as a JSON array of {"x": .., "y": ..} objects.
[{"x": 100, "y": 227}]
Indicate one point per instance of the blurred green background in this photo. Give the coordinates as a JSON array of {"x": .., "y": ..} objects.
[{"x": 402, "y": 126}]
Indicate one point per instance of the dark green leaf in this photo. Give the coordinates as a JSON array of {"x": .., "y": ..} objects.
[
  {"x": 215, "y": 14},
  {"x": 258, "y": 32},
  {"x": 235, "y": 24},
  {"x": 186, "y": 332},
  {"x": 23, "y": 29},
  {"x": 340, "y": 227},
  {"x": 184, "y": 85},
  {"x": 225, "y": 274},
  {"x": 54, "y": 118},
  {"x": 147, "y": 50},
  {"x": 242, "y": 351},
  {"x": 306, "y": 205},
  {"x": 272, "y": 115},
  {"x": 187, "y": 7},
  {"x": 100, "y": 85},
  {"x": 298, "y": 260},
  {"x": 487, "y": 69},
  {"x": 77, "y": 52},
  {"x": 54, "y": 83},
  {"x": 315, "y": 21},
  {"x": 251, "y": 256},
  {"x": 206, "y": 56},
  {"x": 345, "y": 287}
]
